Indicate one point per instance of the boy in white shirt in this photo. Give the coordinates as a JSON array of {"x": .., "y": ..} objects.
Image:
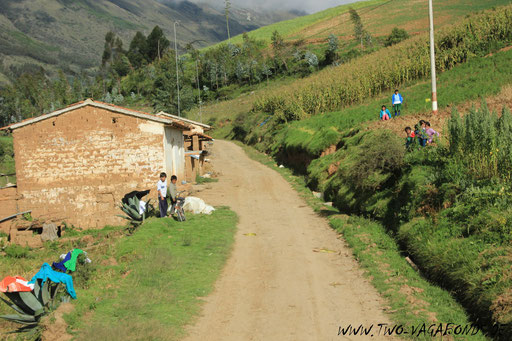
[{"x": 162, "y": 192}]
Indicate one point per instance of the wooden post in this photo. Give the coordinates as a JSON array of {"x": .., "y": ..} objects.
[{"x": 195, "y": 147}]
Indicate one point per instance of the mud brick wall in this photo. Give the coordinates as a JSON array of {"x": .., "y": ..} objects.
[
  {"x": 7, "y": 206},
  {"x": 76, "y": 167}
]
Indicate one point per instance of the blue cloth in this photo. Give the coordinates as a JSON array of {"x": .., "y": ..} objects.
[
  {"x": 60, "y": 265},
  {"x": 396, "y": 97},
  {"x": 47, "y": 272},
  {"x": 382, "y": 112},
  {"x": 263, "y": 123}
]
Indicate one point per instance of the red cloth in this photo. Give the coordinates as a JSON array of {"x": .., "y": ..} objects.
[
  {"x": 15, "y": 284},
  {"x": 413, "y": 134}
]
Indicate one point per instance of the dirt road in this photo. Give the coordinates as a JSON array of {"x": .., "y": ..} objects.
[{"x": 274, "y": 286}]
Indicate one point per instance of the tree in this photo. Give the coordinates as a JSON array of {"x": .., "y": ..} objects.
[
  {"x": 311, "y": 59},
  {"x": 278, "y": 47},
  {"x": 113, "y": 48},
  {"x": 138, "y": 51},
  {"x": 396, "y": 36},
  {"x": 361, "y": 35},
  {"x": 164, "y": 93},
  {"x": 266, "y": 71},
  {"x": 107, "y": 53},
  {"x": 157, "y": 43},
  {"x": 277, "y": 41},
  {"x": 331, "y": 54},
  {"x": 121, "y": 65},
  {"x": 227, "y": 8}
]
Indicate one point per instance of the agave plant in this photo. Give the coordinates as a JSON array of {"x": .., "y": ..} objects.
[
  {"x": 132, "y": 211},
  {"x": 31, "y": 306}
]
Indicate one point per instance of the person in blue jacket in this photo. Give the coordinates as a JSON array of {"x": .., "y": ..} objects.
[
  {"x": 397, "y": 101},
  {"x": 385, "y": 114}
]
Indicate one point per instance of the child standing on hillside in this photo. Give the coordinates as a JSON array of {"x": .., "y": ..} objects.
[
  {"x": 397, "y": 101},
  {"x": 162, "y": 193},
  {"x": 385, "y": 114},
  {"x": 172, "y": 193},
  {"x": 430, "y": 133}
]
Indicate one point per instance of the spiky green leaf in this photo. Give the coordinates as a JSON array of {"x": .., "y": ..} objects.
[
  {"x": 13, "y": 306},
  {"x": 31, "y": 301},
  {"x": 15, "y": 298},
  {"x": 45, "y": 293},
  {"x": 37, "y": 288},
  {"x": 18, "y": 318},
  {"x": 53, "y": 290}
]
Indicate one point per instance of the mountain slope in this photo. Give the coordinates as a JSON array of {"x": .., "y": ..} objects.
[
  {"x": 378, "y": 16},
  {"x": 69, "y": 34}
]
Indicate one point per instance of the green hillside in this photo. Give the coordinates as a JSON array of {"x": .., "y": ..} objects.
[
  {"x": 378, "y": 16},
  {"x": 290, "y": 28},
  {"x": 447, "y": 204}
]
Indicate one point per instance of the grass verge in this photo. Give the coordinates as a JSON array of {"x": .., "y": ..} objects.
[
  {"x": 151, "y": 285},
  {"x": 411, "y": 299},
  {"x": 147, "y": 285}
]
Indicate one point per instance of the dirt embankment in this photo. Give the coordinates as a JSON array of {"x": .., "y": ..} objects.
[{"x": 440, "y": 120}]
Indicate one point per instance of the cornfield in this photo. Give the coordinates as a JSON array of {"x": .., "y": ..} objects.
[
  {"x": 482, "y": 143},
  {"x": 388, "y": 68}
]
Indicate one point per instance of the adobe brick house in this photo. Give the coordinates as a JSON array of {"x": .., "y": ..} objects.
[{"x": 76, "y": 164}]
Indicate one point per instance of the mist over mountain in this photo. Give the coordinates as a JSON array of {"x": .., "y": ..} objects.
[
  {"x": 69, "y": 34},
  {"x": 301, "y": 6}
]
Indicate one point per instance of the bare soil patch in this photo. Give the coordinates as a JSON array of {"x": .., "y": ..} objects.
[
  {"x": 439, "y": 120},
  {"x": 55, "y": 328}
]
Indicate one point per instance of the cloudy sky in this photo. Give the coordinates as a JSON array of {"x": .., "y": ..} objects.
[{"x": 309, "y": 6}]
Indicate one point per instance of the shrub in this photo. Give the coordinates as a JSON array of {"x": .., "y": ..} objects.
[
  {"x": 17, "y": 251},
  {"x": 396, "y": 36},
  {"x": 368, "y": 165},
  {"x": 482, "y": 142}
]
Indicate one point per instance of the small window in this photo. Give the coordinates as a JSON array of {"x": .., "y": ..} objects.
[
  {"x": 53, "y": 123},
  {"x": 114, "y": 119}
]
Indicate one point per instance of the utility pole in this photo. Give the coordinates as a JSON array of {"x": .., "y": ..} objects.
[
  {"x": 177, "y": 69},
  {"x": 199, "y": 93},
  {"x": 432, "y": 58}
]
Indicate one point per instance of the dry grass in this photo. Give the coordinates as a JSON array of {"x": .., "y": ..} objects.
[{"x": 380, "y": 19}]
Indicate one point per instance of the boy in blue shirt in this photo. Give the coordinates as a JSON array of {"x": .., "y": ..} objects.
[{"x": 397, "y": 101}]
